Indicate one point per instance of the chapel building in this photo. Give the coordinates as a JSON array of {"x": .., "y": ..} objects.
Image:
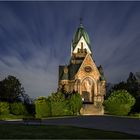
[{"x": 82, "y": 75}]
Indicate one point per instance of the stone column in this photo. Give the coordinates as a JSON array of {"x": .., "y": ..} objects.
[{"x": 78, "y": 86}]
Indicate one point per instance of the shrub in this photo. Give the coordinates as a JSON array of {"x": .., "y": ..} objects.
[
  {"x": 119, "y": 103},
  {"x": 75, "y": 103},
  {"x": 136, "y": 115},
  {"x": 18, "y": 108},
  {"x": 42, "y": 107},
  {"x": 4, "y": 108},
  {"x": 59, "y": 105},
  {"x": 60, "y": 108}
]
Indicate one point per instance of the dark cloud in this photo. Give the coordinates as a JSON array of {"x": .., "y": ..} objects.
[{"x": 35, "y": 37}]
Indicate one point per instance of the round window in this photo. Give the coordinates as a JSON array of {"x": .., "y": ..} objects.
[{"x": 88, "y": 69}]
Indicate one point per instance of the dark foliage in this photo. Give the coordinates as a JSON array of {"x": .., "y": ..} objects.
[
  {"x": 11, "y": 89},
  {"x": 132, "y": 85}
]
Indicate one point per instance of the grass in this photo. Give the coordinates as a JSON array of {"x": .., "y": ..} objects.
[
  {"x": 12, "y": 117},
  {"x": 13, "y": 131},
  {"x": 135, "y": 116}
]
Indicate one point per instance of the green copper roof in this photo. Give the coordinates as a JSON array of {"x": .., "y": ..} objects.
[
  {"x": 72, "y": 70},
  {"x": 78, "y": 34}
]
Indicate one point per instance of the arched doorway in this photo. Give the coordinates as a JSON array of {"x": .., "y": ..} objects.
[{"x": 87, "y": 90}]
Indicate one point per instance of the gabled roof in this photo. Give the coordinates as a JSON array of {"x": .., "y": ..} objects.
[
  {"x": 73, "y": 69},
  {"x": 93, "y": 63}
]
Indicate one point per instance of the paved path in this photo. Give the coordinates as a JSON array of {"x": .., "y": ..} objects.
[
  {"x": 120, "y": 124},
  {"x": 109, "y": 123}
]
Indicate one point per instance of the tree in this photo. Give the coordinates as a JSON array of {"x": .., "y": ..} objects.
[
  {"x": 120, "y": 102},
  {"x": 133, "y": 85},
  {"x": 120, "y": 86},
  {"x": 11, "y": 89}
]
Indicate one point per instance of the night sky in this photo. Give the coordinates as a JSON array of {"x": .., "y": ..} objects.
[{"x": 35, "y": 38}]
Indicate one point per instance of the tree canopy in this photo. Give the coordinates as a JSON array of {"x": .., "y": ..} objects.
[
  {"x": 132, "y": 85},
  {"x": 11, "y": 89}
]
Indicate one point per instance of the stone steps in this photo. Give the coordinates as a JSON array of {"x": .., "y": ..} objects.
[{"x": 91, "y": 109}]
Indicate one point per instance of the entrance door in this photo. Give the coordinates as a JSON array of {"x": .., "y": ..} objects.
[
  {"x": 85, "y": 96},
  {"x": 87, "y": 90}
]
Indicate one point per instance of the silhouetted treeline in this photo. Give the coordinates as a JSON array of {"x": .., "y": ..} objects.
[
  {"x": 11, "y": 91},
  {"x": 132, "y": 85}
]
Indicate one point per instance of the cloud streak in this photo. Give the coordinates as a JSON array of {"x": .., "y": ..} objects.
[{"x": 35, "y": 39}]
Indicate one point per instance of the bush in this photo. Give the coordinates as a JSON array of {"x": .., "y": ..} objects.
[
  {"x": 59, "y": 105},
  {"x": 18, "y": 108},
  {"x": 75, "y": 103},
  {"x": 42, "y": 107},
  {"x": 119, "y": 103},
  {"x": 60, "y": 108},
  {"x": 136, "y": 115},
  {"x": 4, "y": 108}
]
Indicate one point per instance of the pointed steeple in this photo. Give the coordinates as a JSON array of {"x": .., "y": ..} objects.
[
  {"x": 81, "y": 34},
  {"x": 81, "y": 25}
]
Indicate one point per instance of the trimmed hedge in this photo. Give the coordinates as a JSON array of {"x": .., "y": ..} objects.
[
  {"x": 58, "y": 105},
  {"x": 75, "y": 103},
  {"x": 42, "y": 107},
  {"x": 119, "y": 103},
  {"x": 18, "y": 108},
  {"x": 4, "y": 108},
  {"x": 60, "y": 108}
]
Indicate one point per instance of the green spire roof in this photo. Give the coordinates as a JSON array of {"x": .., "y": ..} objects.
[{"x": 78, "y": 34}]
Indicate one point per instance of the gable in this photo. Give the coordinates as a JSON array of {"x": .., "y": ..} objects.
[
  {"x": 85, "y": 46},
  {"x": 88, "y": 61}
]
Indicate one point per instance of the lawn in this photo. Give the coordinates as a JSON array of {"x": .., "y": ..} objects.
[{"x": 14, "y": 131}]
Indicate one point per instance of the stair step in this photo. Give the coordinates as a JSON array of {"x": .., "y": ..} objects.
[{"x": 91, "y": 109}]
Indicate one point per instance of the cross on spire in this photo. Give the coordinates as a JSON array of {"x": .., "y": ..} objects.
[{"x": 81, "y": 21}]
